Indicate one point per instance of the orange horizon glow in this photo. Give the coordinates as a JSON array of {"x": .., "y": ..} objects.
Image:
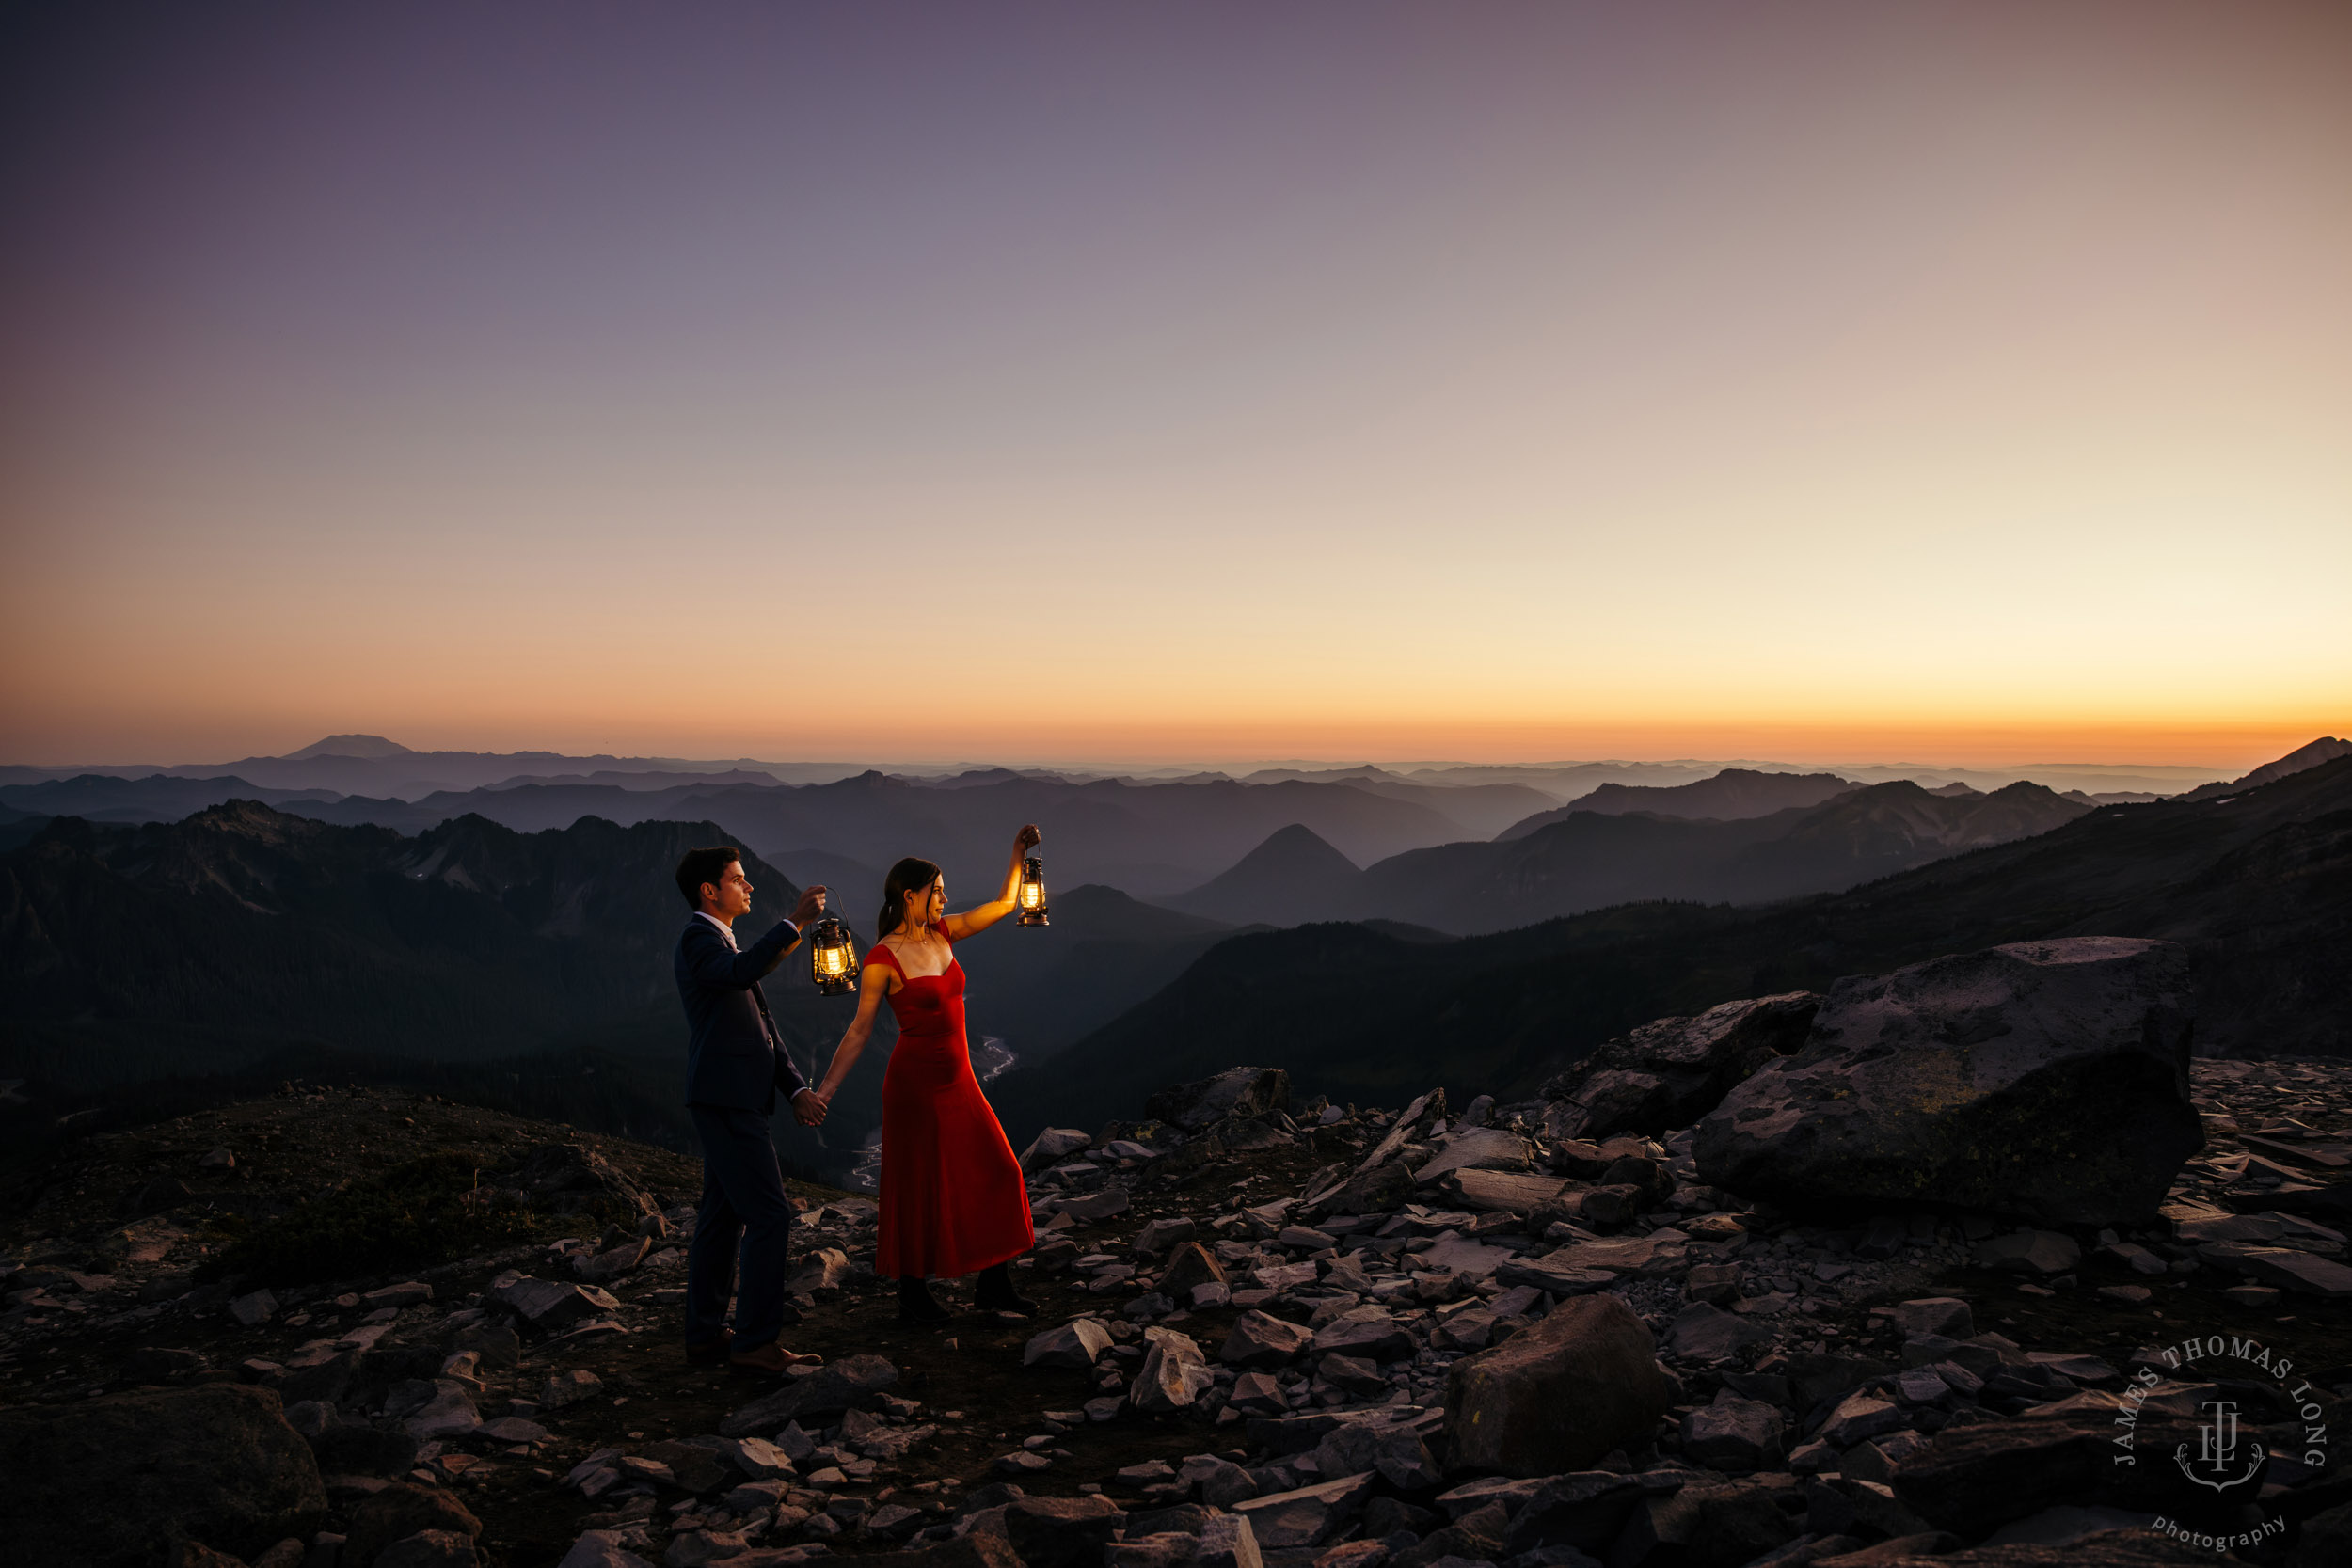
[
  {"x": 2226, "y": 751},
  {"x": 1827, "y": 382}
]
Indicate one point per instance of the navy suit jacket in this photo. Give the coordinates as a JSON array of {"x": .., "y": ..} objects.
[{"x": 734, "y": 1058}]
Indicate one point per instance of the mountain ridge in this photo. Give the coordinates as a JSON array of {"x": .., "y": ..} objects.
[
  {"x": 1588, "y": 859},
  {"x": 1732, "y": 794},
  {"x": 2257, "y": 886}
]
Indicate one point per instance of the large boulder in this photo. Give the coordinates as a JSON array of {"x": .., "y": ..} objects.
[
  {"x": 2044, "y": 1079},
  {"x": 1240, "y": 1092},
  {"x": 115, "y": 1481},
  {"x": 1668, "y": 1073},
  {"x": 1558, "y": 1395}
]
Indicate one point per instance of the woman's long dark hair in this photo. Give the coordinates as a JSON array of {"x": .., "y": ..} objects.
[{"x": 909, "y": 876}]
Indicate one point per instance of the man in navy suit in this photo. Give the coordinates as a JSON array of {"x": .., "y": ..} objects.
[{"x": 735, "y": 1063}]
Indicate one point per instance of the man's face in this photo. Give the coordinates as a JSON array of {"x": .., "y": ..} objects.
[{"x": 730, "y": 898}]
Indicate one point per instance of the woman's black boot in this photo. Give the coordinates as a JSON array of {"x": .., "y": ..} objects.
[
  {"x": 992, "y": 1291},
  {"x": 916, "y": 1304}
]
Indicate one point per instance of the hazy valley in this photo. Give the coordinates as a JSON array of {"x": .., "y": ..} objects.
[{"x": 512, "y": 943}]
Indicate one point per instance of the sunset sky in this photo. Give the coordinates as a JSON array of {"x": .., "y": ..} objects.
[{"x": 1960, "y": 383}]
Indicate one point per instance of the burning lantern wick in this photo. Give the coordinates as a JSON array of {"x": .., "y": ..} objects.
[
  {"x": 1032, "y": 898},
  {"x": 832, "y": 964}
]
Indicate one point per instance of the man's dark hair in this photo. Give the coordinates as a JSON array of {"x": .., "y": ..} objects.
[{"x": 705, "y": 865}]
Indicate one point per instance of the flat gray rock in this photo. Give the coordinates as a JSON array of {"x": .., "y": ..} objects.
[
  {"x": 1510, "y": 1191},
  {"x": 1367, "y": 1332},
  {"x": 1734, "y": 1434},
  {"x": 2304, "y": 1271},
  {"x": 1307, "y": 1516},
  {"x": 1558, "y": 1279},
  {"x": 1478, "y": 1149},
  {"x": 1705, "y": 1334},
  {"x": 853, "y": 1383},
  {"x": 1260, "y": 1339},
  {"x": 1074, "y": 1344}
]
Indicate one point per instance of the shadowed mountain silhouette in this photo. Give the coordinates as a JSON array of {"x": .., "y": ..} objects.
[
  {"x": 371, "y": 747},
  {"x": 2325, "y": 749},
  {"x": 1151, "y": 839},
  {"x": 1039, "y": 988},
  {"x": 1588, "y": 861},
  {"x": 157, "y": 798},
  {"x": 243, "y": 934},
  {"x": 2257, "y": 886},
  {"x": 1730, "y": 796},
  {"x": 1293, "y": 878}
]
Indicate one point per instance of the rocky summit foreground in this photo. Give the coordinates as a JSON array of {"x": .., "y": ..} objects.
[{"x": 1537, "y": 1335}]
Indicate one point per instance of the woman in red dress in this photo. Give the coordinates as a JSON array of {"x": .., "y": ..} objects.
[{"x": 953, "y": 1199}]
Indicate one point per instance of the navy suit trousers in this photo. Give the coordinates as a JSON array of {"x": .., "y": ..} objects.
[{"x": 743, "y": 1203}]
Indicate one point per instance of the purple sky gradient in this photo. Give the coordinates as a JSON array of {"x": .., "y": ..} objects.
[{"x": 1497, "y": 380}]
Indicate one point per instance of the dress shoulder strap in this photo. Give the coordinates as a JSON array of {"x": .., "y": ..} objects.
[{"x": 881, "y": 954}]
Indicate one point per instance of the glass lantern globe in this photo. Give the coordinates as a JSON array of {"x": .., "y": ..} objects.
[
  {"x": 1031, "y": 899},
  {"x": 832, "y": 958}
]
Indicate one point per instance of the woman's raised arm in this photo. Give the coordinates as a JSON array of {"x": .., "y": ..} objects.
[{"x": 981, "y": 916}]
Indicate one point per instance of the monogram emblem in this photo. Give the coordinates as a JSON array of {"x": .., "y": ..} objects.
[{"x": 2217, "y": 1463}]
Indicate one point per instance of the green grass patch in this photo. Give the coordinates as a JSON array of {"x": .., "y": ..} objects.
[{"x": 428, "y": 1210}]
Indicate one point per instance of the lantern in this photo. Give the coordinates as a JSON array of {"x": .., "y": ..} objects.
[
  {"x": 1032, "y": 897},
  {"x": 832, "y": 958}
]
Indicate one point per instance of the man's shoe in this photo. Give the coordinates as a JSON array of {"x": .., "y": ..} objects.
[
  {"x": 710, "y": 1352},
  {"x": 772, "y": 1358}
]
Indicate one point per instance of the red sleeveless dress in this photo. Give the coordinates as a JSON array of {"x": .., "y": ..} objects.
[{"x": 953, "y": 1200}]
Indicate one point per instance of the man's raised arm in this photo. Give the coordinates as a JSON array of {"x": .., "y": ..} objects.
[{"x": 712, "y": 962}]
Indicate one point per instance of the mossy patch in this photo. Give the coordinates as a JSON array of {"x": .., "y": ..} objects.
[{"x": 426, "y": 1210}]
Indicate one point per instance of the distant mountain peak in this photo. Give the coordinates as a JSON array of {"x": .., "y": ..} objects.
[
  {"x": 352, "y": 746},
  {"x": 2328, "y": 748},
  {"x": 1291, "y": 850},
  {"x": 1294, "y": 875}
]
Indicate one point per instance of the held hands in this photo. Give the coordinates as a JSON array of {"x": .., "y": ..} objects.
[
  {"x": 811, "y": 906},
  {"x": 1026, "y": 839},
  {"x": 809, "y": 1107}
]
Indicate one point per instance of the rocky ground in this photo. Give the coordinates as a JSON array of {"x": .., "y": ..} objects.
[{"x": 1288, "y": 1334}]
